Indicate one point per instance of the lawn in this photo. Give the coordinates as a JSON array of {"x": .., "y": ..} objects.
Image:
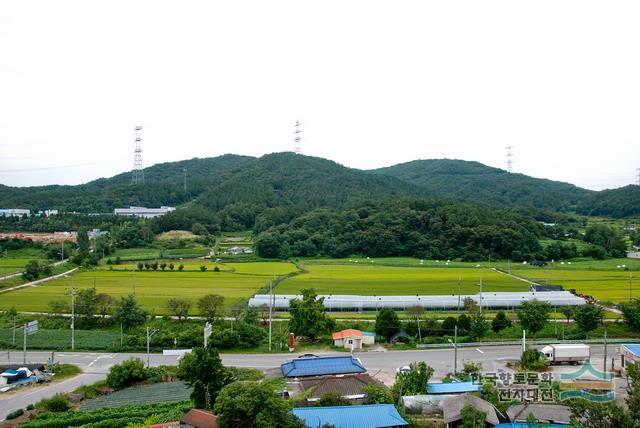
[
  {"x": 606, "y": 285},
  {"x": 151, "y": 288},
  {"x": 371, "y": 279}
]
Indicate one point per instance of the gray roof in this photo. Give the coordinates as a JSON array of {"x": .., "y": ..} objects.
[
  {"x": 452, "y": 408},
  {"x": 546, "y": 413},
  {"x": 346, "y": 385}
]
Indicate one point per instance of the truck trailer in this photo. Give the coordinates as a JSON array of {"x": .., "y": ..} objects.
[{"x": 566, "y": 353}]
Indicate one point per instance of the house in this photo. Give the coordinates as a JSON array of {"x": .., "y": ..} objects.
[
  {"x": 451, "y": 388},
  {"x": 452, "y": 410},
  {"x": 353, "y": 339},
  {"x": 96, "y": 233},
  {"x": 322, "y": 366},
  {"x": 361, "y": 416},
  {"x": 350, "y": 387},
  {"x": 194, "y": 418},
  {"x": 629, "y": 354},
  {"x": 542, "y": 412},
  {"x": 14, "y": 212},
  {"x": 143, "y": 212}
]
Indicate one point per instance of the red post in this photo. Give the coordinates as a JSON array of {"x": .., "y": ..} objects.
[{"x": 292, "y": 341}]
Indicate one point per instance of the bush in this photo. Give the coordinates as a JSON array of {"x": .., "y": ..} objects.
[
  {"x": 329, "y": 399},
  {"x": 531, "y": 359},
  {"x": 15, "y": 414},
  {"x": 126, "y": 374},
  {"x": 57, "y": 403}
]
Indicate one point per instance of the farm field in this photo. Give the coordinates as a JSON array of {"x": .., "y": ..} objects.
[
  {"x": 245, "y": 268},
  {"x": 389, "y": 280},
  {"x": 134, "y": 254},
  {"x": 61, "y": 339},
  {"x": 152, "y": 289},
  {"x": 606, "y": 285},
  {"x": 165, "y": 392},
  {"x": 394, "y": 261},
  {"x": 14, "y": 261}
]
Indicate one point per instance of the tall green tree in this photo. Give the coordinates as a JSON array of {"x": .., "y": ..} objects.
[
  {"x": 500, "y": 322},
  {"x": 479, "y": 327},
  {"x": 631, "y": 313},
  {"x": 387, "y": 323},
  {"x": 588, "y": 318},
  {"x": 211, "y": 305},
  {"x": 472, "y": 417},
  {"x": 87, "y": 306},
  {"x": 533, "y": 316},
  {"x": 253, "y": 405},
  {"x": 308, "y": 318},
  {"x": 129, "y": 313},
  {"x": 203, "y": 372},
  {"x": 178, "y": 307},
  {"x": 414, "y": 381}
]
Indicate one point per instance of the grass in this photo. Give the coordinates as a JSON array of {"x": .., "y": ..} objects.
[
  {"x": 18, "y": 280},
  {"x": 61, "y": 339},
  {"x": 374, "y": 279},
  {"x": 15, "y": 260},
  {"x": 152, "y": 289},
  {"x": 165, "y": 392},
  {"x": 63, "y": 371}
]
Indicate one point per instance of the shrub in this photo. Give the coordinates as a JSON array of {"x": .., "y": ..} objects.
[
  {"x": 126, "y": 374},
  {"x": 376, "y": 394},
  {"x": 57, "y": 403},
  {"x": 216, "y": 269},
  {"x": 531, "y": 359},
  {"x": 15, "y": 414},
  {"x": 329, "y": 399},
  {"x": 203, "y": 268}
]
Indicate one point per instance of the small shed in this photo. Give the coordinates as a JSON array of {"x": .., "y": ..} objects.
[
  {"x": 452, "y": 410},
  {"x": 362, "y": 416},
  {"x": 543, "y": 412},
  {"x": 353, "y": 339},
  {"x": 452, "y": 387}
]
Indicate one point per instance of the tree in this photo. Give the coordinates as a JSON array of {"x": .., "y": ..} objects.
[
  {"x": 472, "y": 417},
  {"x": 105, "y": 304},
  {"x": 449, "y": 325},
  {"x": 171, "y": 266},
  {"x": 464, "y": 323},
  {"x": 203, "y": 268},
  {"x": 631, "y": 313},
  {"x": 610, "y": 239},
  {"x": 82, "y": 240},
  {"x": 533, "y": 316},
  {"x": 268, "y": 245},
  {"x": 129, "y": 313},
  {"x": 202, "y": 370},
  {"x": 86, "y": 305},
  {"x": 181, "y": 268},
  {"x": 416, "y": 312},
  {"x": 163, "y": 265},
  {"x": 567, "y": 311},
  {"x": 470, "y": 305},
  {"x": 248, "y": 405},
  {"x": 500, "y": 322},
  {"x": 588, "y": 318},
  {"x": 59, "y": 307},
  {"x": 127, "y": 373},
  {"x": 329, "y": 399},
  {"x": 633, "y": 390},
  {"x": 210, "y": 305},
  {"x": 377, "y": 394},
  {"x": 35, "y": 269},
  {"x": 308, "y": 318},
  {"x": 414, "y": 381},
  {"x": 178, "y": 307},
  {"x": 140, "y": 265},
  {"x": 387, "y": 323},
  {"x": 479, "y": 327},
  {"x": 590, "y": 414}
]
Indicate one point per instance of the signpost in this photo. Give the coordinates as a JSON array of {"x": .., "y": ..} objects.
[{"x": 30, "y": 328}]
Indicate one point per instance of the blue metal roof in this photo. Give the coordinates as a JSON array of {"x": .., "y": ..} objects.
[
  {"x": 368, "y": 333},
  {"x": 634, "y": 349},
  {"x": 363, "y": 416},
  {"x": 452, "y": 387},
  {"x": 526, "y": 425},
  {"x": 318, "y": 366}
]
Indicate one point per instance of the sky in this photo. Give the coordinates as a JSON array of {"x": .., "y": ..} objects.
[{"x": 373, "y": 83}]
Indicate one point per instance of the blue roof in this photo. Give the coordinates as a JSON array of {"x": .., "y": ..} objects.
[
  {"x": 452, "y": 387},
  {"x": 634, "y": 349},
  {"x": 368, "y": 333},
  {"x": 526, "y": 425},
  {"x": 318, "y": 366},
  {"x": 363, "y": 416}
]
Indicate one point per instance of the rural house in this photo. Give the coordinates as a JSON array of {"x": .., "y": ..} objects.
[
  {"x": 353, "y": 339},
  {"x": 322, "y": 366},
  {"x": 361, "y": 416},
  {"x": 347, "y": 386}
]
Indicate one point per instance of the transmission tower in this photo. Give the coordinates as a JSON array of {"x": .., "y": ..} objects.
[
  {"x": 638, "y": 176},
  {"x": 509, "y": 159},
  {"x": 137, "y": 175},
  {"x": 296, "y": 139},
  {"x": 184, "y": 181}
]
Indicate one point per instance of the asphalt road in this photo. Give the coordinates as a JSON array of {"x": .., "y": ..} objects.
[{"x": 95, "y": 366}]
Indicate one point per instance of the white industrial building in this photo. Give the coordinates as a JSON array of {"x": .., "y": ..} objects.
[
  {"x": 14, "y": 212},
  {"x": 143, "y": 212}
]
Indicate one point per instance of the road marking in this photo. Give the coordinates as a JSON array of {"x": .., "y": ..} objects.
[{"x": 482, "y": 352}]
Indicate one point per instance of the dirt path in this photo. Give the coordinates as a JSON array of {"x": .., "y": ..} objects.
[{"x": 38, "y": 282}]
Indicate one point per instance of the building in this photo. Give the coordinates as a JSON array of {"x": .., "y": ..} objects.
[
  {"x": 362, "y": 416},
  {"x": 96, "y": 233},
  {"x": 239, "y": 250},
  {"x": 350, "y": 387},
  {"x": 143, "y": 212},
  {"x": 322, "y": 366},
  {"x": 629, "y": 354},
  {"x": 543, "y": 413},
  {"x": 451, "y": 388},
  {"x": 14, "y": 212},
  {"x": 353, "y": 339},
  {"x": 452, "y": 410}
]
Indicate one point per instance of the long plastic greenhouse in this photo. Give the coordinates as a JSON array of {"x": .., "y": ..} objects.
[{"x": 453, "y": 301}]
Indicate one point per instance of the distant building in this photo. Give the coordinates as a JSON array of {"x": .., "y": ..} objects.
[
  {"x": 353, "y": 339},
  {"x": 235, "y": 250},
  {"x": 362, "y": 416},
  {"x": 143, "y": 212},
  {"x": 544, "y": 413},
  {"x": 14, "y": 212},
  {"x": 47, "y": 213},
  {"x": 321, "y": 366},
  {"x": 96, "y": 233}
]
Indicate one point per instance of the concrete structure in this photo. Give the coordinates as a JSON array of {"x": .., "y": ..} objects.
[
  {"x": 353, "y": 339},
  {"x": 629, "y": 354},
  {"x": 143, "y": 212},
  {"x": 14, "y": 212},
  {"x": 363, "y": 416}
]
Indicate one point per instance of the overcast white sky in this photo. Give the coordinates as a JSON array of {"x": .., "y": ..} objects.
[{"x": 374, "y": 83}]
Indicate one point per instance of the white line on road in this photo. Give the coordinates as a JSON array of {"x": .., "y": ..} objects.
[{"x": 482, "y": 352}]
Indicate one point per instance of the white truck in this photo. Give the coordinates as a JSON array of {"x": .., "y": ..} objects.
[{"x": 566, "y": 353}]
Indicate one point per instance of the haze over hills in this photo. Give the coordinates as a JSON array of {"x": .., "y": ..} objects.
[{"x": 288, "y": 180}]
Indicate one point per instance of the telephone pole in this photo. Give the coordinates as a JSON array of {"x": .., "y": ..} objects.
[{"x": 73, "y": 317}]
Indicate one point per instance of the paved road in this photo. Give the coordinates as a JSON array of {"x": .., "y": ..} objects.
[{"x": 96, "y": 365}]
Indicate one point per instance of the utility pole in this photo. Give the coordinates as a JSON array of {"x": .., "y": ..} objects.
[
  {"x": 24, "y": 346},
  {"x": 73, "y": 318},
  {"x": 630, "y": 285},
  {"x": 480, "y": 295},
  {"x": 524, "y": 340},
  {"x": 14, "y": 332},
  {"x": 149, "y": 336},
  {"x": 459, "y": 291},
  {"x": 605, "y": 350},
  {"x": 270, "y": 311},
  {"x": 61, "y": 251},
  {"x": 455, "y": 349}
]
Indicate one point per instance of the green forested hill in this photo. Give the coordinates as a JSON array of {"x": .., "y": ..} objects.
[{"x": 473, "y": 181}]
